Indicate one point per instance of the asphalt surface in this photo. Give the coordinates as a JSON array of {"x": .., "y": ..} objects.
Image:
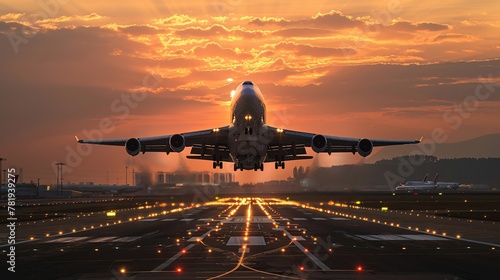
[{"x": 250, "y": 238}]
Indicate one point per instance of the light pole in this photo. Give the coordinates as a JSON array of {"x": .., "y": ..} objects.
[
  {"x": 60, "y": 176},
  {"x": 1, "y": 170}
]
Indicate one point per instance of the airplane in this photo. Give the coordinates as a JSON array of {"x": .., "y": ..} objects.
[
  {"x": 418, "y": 182},
  {"x": 248, "y": 141},
  {"x": 419, "y": 185},
  {"x": 447, "y": 185}
]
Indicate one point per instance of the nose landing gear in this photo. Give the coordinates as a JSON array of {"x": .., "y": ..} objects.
[{"x": 278, "y": 164}]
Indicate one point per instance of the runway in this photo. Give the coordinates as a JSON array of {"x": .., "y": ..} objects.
[{"x": 251, "y": 238}]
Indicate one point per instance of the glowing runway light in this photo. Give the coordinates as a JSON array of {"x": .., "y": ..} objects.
[{"x": 359, "y": 268}]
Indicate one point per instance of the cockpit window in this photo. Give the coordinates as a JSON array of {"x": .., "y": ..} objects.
[{"x": 248, "y": 83}]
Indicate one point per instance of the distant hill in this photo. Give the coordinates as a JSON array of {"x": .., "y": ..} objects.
[{"x": 481, "y": 147}]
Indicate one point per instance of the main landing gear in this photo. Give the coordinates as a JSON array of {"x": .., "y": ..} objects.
[
  {"x": 258, "y": 166},
  {"x": 238, "y": 166},
  {"x": 217, "y": 164}
]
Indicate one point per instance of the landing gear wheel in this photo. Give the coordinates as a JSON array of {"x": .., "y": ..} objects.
[
  {"x": 235, "y": 167},
  {"x": 214, "y": 165},
  {"x": 283, "y": 165},
  {"x": 261, "y": 166},
  {"x": 276, "y": 165}
]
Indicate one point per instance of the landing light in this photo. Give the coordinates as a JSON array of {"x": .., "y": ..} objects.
[{"x": 359, "y": 268}]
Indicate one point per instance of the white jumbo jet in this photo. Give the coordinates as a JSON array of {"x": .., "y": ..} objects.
[
  {"x": 419, "y": 185},
  {"x": 248, "y": 141}
]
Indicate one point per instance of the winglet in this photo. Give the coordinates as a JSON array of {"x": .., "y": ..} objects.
[
  {"x": 77, "y": 140},
  {"x": 420, "y": 140}
]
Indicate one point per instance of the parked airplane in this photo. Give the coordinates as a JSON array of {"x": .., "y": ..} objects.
[
  {"x": 419, "y": 185},
  {"x": 447, "y": 185},
  {"x": 418, "y": 182},
  {"x": 248, "y": 141}
]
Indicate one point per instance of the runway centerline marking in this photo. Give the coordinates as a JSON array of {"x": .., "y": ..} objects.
[{"x": 250, "y": 240}]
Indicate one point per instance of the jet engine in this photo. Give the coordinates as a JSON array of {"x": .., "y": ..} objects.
[
  {"x": 133, "y": 146},
  {"x": 365, "y": 147},
  {"x": 318, "y": 143},
  {"x": 177, "y": 143}
]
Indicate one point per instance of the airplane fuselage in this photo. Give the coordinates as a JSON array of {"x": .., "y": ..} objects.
[{"x": 248, "y": 137}]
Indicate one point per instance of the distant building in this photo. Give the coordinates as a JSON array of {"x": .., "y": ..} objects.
[
  {"x": 203, "y": 177},
  {"x": 160, "y": 177}
]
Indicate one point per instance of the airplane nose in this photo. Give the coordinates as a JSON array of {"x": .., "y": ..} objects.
[{"x": 248, "y": 91}]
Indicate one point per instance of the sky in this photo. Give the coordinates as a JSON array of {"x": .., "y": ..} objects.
[{"x": 121, "y": 69}]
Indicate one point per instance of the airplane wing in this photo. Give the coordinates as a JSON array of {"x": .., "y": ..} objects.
[
  {"x": 293, "y": 142},
  {"x": 204, "y": 142}
]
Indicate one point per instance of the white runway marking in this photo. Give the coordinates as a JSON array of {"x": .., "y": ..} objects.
[
  {"x": 205, "y": 220},
  {"x": 240, "y": 240},
  {"x": 67, "y": 239},
  {"x": 126, "y": 239},
  {"x": 243, "y": 219},
  {"x": 102, "y": 239},
  {"x": 148, "y": 220},
  {"x": 186, "y": 220},
  {"x": 176, "y": 256},
  {"x": 312, "y": 257},
  {"x": 319, "y": 219},
  {"x": 299, "y": 219},
  {"x": 168, "y": 220},
  {"x": 298, "y": 238},
  {"x": 401, "y": 237},
  {"x": 340, "y": 219}
]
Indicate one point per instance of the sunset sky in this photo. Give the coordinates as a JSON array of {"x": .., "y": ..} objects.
[{"x": 375, "y": 69}]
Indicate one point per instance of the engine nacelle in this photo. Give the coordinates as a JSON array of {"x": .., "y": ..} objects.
[
  {"x": 177, "y": 143},
  {"x": 365, "y": 147},
  {"x": 133, "y": 146},
  {"x": 318, "y": 143}
]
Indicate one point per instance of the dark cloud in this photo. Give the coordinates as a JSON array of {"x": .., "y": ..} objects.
[
  {"x": 452, "y": 37},
  {"x": 215, "y": 50},
  {"x": 302, "y": 32},
  {"x": 408, "y": 26},
  {"x": 308, "y": 50},
  {"x": 332, "y": 20},
  {"x": 217, "y": 31},
  {"x": 14, "y": 27},
  {"x": 140, "y": 30}
]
